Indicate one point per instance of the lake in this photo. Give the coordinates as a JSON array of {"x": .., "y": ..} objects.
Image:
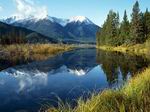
[{"x": 68, "y": 76}]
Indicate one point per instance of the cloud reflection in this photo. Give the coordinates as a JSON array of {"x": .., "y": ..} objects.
[{"x": 27, "y": 80}]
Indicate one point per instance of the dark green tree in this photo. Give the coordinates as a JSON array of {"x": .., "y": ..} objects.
[
  {"x": 109, "y": 31},
  {"x": 147, "y": 24},
  {"x": 136, "y": 31},
  {"x": 124, "y": 29}
]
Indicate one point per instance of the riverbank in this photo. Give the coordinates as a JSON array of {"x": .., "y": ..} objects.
[
  {"x": 138, "y": 49},
  {"x": 35, "y": 52},
  {"x": 132, "y": 97}
]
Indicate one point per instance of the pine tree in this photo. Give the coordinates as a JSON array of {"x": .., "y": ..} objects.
[
  {"x": 147, "y": 24},
  {"x": 102, "y": 33},
  {"x": 109, "y": 32},
  {"x": 124, "y": 29},
  {"x": 136, "y": 31}
]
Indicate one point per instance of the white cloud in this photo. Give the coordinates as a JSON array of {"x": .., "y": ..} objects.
[{"x": 26, "y": 8}]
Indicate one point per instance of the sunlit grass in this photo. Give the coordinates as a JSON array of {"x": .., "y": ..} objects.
[
  {"x": 31, "y": 51},
  {"x": 133, "y": 97},
  {"x": 138, "y": 49}
]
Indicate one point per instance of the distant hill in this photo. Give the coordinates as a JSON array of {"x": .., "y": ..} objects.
[{"x": 11, "y": 34}]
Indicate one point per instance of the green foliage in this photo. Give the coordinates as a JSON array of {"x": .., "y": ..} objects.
[
  {"x": 147, "y": 24},
  {"x": 137, "y": 30},
  {"x": 124, "y": 30},
  {"x": 109, "y": 31},
  {"x": 115, "y": 33}
]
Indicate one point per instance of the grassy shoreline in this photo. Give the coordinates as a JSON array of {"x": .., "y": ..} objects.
[
  {"x": 133, "y": 97},
  {"x": 138, "y": 49},
  {"x": 32, "y": 51}
]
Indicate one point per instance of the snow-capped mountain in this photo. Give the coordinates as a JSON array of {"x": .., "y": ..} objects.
[
  {"x": 62, "y": 22},
  {"x": 78, "y": 28},
  {"x": 80, "y": 19},
  {"x": 81, "y": 26}
]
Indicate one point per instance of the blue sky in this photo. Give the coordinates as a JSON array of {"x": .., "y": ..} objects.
[{"x": 95, "y": 10}]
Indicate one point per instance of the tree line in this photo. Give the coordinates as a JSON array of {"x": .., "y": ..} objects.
[
  {"x": 12, "y": 37},
  {"x": 135, "y": 31}
]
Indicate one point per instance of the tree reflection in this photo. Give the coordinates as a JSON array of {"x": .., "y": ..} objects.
[{"x": 113, "y": 62}]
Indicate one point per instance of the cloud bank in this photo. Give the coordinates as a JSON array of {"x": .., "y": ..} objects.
[{"x": 27, "y": 8}]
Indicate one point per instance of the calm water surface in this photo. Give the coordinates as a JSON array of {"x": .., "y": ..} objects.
[{"x": 73, "y": 74}]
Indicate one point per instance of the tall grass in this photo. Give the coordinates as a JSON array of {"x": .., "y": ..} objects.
[
  {"x": 133, "y": 97},
  {"x": 31, "y": 51},
  {"x": 138, "y": 49}
]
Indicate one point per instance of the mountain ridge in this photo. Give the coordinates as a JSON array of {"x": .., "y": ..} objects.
[{"x": 78, "y": 28}]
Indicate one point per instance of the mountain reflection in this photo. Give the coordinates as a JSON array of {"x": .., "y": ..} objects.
[{"x": 80, "y": 59}]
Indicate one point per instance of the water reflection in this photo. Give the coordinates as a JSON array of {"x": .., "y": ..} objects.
[
  {"x": 114, "y": 63},
  {"x": 68, "y": 76}
]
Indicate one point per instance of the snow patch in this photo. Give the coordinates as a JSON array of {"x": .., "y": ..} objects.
[
  {"x": 62, "y": 22},
  {"x": 78, "y": 72},
  {"x": 80, "y": 19}
]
